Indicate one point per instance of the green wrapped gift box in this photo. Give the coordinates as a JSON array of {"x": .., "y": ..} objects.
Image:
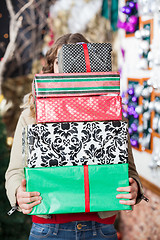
[{"x": 75, "y": 189}]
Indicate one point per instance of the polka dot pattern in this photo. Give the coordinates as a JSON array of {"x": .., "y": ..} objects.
[{"x": 71, "y": 109}]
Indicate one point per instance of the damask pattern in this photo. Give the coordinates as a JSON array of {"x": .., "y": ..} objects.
[{"x": 75, "y": 143}]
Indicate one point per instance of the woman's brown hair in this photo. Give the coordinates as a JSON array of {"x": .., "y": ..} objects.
[
  {"x": 52, "y": 53},
  {"x": 50, "y": 58}
]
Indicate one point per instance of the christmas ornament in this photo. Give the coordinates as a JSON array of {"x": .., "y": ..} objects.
[
  {"x": 139, "y": 109},
  {"x": 131, "y": 5},
  {"x": 146, "y": 141},
  {"x": 145, "y": 45},
  {"x": 130, "y": 131},
  {"x": 138, "y": 34},
  {"x": 151, "y": 106},
  {"x": 131, "y": 110},
  {"x": 133, "y": 20},
  {"x": 143, "y": 64},
  {"x": 157, "y": 107},
  {"x": 127, "y": 10},
  {"x": 138, "y": 90},
  {"x": 140, "y": 129},
  {"x": 145, "y": 104},
  {"x": 131, "y": 91},
  {"x": 146, "y": 115},
  {"x": 136, "y": 115},
  {"x": 155, "y": 122},
  {"x": 134, "y": 99},
  {"x": 134, "y": 142},
  {"x": 134, "y": 127},
  {"x": 146, "y": 92}
]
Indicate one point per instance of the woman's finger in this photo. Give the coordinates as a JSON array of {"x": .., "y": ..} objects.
[
  {"x": 128, "y": 196},
  {"x": 26, "y": 211},
  {"x": 125, "y": 189},
  {"x": 30, "y": 205},
  {"x": 28, "y": 194},
  {"x": 128, "y": 202},
  {"x": 31, "y": 199}
]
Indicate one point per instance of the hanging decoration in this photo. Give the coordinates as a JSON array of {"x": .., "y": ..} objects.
[
  {"x": 139, "y": 111},
  {"x": 145, "y": 37},
  {"x": 131, "y": 23}
]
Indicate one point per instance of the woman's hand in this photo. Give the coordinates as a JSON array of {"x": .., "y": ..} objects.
[
  {"x": 27, "y": 200},
  {"x": 132, "y": 195}
]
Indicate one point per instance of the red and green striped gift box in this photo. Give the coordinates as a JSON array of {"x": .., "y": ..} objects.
[{"x": 76, "y": 84}]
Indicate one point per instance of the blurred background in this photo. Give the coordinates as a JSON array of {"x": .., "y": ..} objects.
[{"x": 29, "y": 28}]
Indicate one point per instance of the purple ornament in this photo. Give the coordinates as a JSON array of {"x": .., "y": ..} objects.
[
  {"x": 133, "y": 19},
  {"x": 127, "y": 10},
  {"x": 126, "y": 102},
  {"x": 131, "y": 91},
  {"x": 136, "y": 115},
  {"x": 131, "y": 110},
  {"x": 130, "y": 131},
  {"x": 134, "y": 142},
  {"x": 125, "y": 114},
  {"x": 134, "y": 99},
  {"x": 123, "y": 9},
  {"x": 131, "y": 4},
  {"x": 134, "y": 127},
  {"x": 136, "y": 5},
  {"x": 123, "y": 94}
]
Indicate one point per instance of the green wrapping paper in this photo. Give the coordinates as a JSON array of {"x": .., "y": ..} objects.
[{"x": 63, "y": 189}]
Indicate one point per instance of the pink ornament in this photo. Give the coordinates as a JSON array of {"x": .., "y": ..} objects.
[
  {"x": 133, "y": 19},
  {"x": 130, "y": 27},
  {"x": 121, "y": 24}
]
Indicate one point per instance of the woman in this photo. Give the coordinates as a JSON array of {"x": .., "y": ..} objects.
[{"x": 62, "y": 226}]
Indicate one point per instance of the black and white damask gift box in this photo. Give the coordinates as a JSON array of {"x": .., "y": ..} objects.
[
  {"x": 85, "y": 57},
  {"x": 75, "y": 143}
]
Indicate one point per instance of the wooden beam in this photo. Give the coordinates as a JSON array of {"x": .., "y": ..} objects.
[{"x": 152, "y": 187}]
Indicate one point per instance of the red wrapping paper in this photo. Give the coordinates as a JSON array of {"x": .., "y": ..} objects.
[{"x": 71, "y": 109}]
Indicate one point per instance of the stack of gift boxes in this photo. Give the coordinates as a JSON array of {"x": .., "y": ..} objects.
[{"x": 77, "y": 153}]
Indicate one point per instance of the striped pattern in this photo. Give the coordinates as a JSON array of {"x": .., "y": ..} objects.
[{"x": 52, "y": 85}]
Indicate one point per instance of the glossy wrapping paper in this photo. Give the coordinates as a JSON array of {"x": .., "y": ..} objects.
[
  {"x": 77, "y": 189},
  {"x": 75, "y": 143},
  {"x": 72, "y": 109},
  {"x": 85, "y": 57},
  {"x": 76, "y": 84}
]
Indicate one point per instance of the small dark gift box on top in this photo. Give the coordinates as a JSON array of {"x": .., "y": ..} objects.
[{"x": 85, "y": 57}]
